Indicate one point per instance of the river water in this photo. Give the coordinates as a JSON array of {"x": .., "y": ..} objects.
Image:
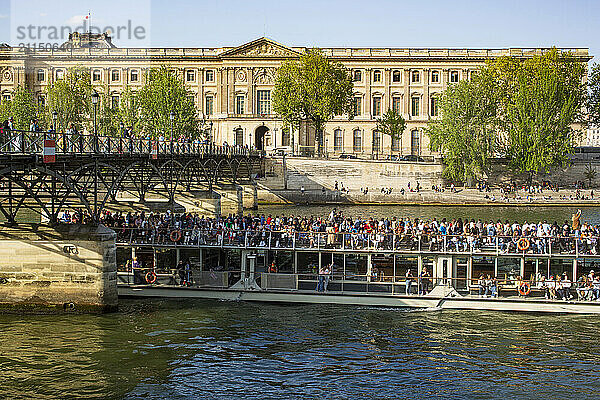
[
  {"x": 228, "y": 350},
  {"x": 157, "y": 349}
]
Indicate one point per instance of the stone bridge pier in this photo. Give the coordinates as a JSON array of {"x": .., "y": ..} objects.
[{"x": 66, "y": 268}]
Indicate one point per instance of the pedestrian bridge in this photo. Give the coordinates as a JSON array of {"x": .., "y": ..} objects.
[{"x": 48, "y": 172}]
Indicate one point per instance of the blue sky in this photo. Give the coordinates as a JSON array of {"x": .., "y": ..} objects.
[{"x": 372, "y": 23}]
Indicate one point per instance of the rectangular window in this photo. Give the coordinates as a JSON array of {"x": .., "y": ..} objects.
[
  {"x": 435, "y": 77},
  {"x": 115, "y": 76},
  {"x": 376, "y": 76},
  {"x": 415, "y": 106},
  {"x": 115, "y": 102},
  {"x": 453, "y": 76},
  {"x": 190, "y": 76},
  {"x": 376, "y": 106},
  {"x": 41, "y": 75},
  {"x": 397, "y": 76},
  {"x": 60, "y": 74},
  {"x": 239, "y": 105},
  {"x": 434, "y": 106},
  {"x": 208, "y": 109},
  {"x": 264, "y": 101},
  {"x": 96, "y": 75},
  {"x": 134, "y": 75},
  {"x": 357, "y": 106},
  {"x": 357, "y": 76},
  {"x": 376, "y": 145},
  {"x": 210, "y": 76},
  {"x": 397, "y": 104}
]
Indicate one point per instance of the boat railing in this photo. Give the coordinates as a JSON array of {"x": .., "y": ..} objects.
[{"x": 356, "y": 241}]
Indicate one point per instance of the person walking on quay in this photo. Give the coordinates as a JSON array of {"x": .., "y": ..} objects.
[{"x": 409, "y": 282}]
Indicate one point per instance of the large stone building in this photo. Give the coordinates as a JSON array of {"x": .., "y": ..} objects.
[{"x": 232, "y": 86}]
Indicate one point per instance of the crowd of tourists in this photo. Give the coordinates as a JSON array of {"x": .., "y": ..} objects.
[{"x": 337, "y": 230}]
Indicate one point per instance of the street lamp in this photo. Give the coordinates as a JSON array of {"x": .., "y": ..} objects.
[
  {"x": 54, "y": 118},
  {"x": 95, "y": 98},
  {"x": 210, "y": 138},
  {"x": 172, "y": 118}
]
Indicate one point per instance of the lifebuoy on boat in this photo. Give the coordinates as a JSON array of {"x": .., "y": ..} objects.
[
  {"x": 523, "y": 244},
  {"x": 175, "y": 235},
  {"x": 151, "y": 277},
  {"x": 524, "y": 288}
]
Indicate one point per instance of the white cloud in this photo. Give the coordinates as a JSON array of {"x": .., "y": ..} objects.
[
  {"x": 75, "y": 20},
  {"x": 43, "y": 14},
  {"x": 3, "y": 16}
]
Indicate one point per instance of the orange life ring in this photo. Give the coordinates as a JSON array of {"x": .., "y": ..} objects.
[
  {"x": 151, "y": 277},
  {"x": 175, "y": 235},
  {"x": 523, "y": 244},
  {"x": 524, "y": 289}
]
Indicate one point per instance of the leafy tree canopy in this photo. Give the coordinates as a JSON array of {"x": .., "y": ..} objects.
[
  {"x": 392, "y": 124},
  {"x": 312, "y": 89}
]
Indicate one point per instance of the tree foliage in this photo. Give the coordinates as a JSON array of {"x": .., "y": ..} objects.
[
  {"x": 127, "y": 113},
  {"x": 466, "y": 134},
  {"x": 523, "y": 109},
  {"x": 593, "y": 100},
  {"x": 312, "y": 89},
  {"x": 392, "y": 124},
  {"x": 164, "y": 93},
  {"x": 70, "y": 98}
]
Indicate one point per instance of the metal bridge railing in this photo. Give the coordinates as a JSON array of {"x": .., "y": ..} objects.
[{"x": 19, "y": 142}]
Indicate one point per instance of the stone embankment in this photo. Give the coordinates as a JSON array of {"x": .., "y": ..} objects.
[
  {"x": 362, "y": 181},
  {"x": 70, "y": 268}
]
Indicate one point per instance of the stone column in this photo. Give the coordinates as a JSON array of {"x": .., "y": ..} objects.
[
  {"x": 425, "y": 102},
  {"x": 368, "y": 98},
  {"x": 250, "y": 79},
  {"x": 230, "y": 94},
  {"x": 386, "y": 104}
]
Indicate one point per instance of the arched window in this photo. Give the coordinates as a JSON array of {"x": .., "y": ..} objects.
[
  {"x": 357, "y": 142},
  {"x": 337, "y": 140},
  {"x": 435, "y": 77},
  {"x": 395, "y": 143},
  {"x": 239, "y": 137},
  {"x": 376, "y": 145},
  {"x": 377, "y": 76},
  {"x": 415, "y": 142},
  {"x": 357, "y": 75},
  {"x": 396, "y": 76},
  {"x": 416, "y": 77}
]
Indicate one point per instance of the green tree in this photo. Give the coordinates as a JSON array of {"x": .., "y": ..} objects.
[
  {"x": 312, "y": 89},
  {"x": 392, "y": 124},
  {"x": 593, "y": 98},
  {"x": 164, "y": 93},
  {"x": 70, "y": 98},
  {"x": 590, "y": 174},
  {"x": 127, "y": 113},
  {"x": 540, "y": 114},
  {"x": 466, "y": 133},
  {"x": 23, "y": 108}
]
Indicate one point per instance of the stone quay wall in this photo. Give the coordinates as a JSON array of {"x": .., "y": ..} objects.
[{"x": 68, "y": 268}]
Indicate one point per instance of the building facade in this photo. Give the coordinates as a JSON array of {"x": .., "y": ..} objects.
[{"x": 232, "y": 87}]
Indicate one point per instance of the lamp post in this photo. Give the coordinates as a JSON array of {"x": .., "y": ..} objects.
[
  {"x": 172, "y": 194},
  {"x": 172, "y": 118},
  {"x": 210, "y": 137},
  {"x": 95, "y": 98},
  {"x": 54, "y": 118}
]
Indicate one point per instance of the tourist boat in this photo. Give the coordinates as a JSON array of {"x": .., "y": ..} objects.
[{"x": 366, "y": 269}]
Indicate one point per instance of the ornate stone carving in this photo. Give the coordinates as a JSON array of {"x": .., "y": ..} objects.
[
  {"x": 265, "y": 49},
  {"x": 7, "y": 74},
  {"x": 264, "y": 76},
  {"x": 240, "y": 76}
]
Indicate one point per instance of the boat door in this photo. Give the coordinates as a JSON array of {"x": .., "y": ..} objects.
[{"x": 444, "y": 271}]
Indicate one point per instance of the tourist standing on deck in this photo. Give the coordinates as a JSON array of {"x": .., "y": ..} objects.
[
  {"x": 424, "y": 281},
  {"x": 321, "y": 279},
  {"x": 409, "y": 282}
]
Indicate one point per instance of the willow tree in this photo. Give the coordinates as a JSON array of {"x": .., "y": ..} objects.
[
  {"x": 163, "y": 94},
  {"x": 70, "y": 98},
  {"x": 312, "y": 89},
  {"x": 466, "y": 133}
]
